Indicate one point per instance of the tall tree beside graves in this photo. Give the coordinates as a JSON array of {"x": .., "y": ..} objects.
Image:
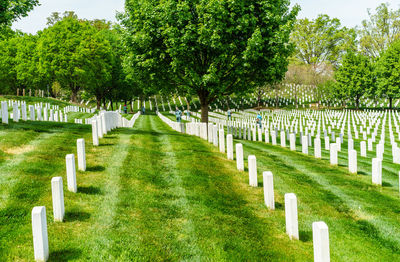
[
  {"x": 380, "y": 30},
  {"x": 27, "y": 62},
  {"x": 60, "y": 58},
  {"x": 8, "y": 73},
  {"x": 209, "y": 48},
  {"x": 106, "y": 79},
  {"x": 11, "y": 10},
  {"x": 322, "y": 41},
  {"x": 388, "y": 73},
  {"x": 356, "y": 76}
]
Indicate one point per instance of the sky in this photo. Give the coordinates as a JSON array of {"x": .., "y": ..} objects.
[
  {"x": 350, "y": 12},
  {"x": 89, "y": 9}
]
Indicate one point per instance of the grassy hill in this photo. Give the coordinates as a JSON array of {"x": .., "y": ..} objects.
[{"x": 153, "y": 194}]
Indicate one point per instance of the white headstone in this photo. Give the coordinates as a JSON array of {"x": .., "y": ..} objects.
[
  {"x": 71, "y": 172},
  {"x": 321, "y": 242},
  {"x": 39, "y": 232},
  {"x": 239, "y": 157},
  {"x": 292, "y": 138},
  {"x": 283, "y": 139},
  {"x": 317, "y": 147},
  {"x": 363, "y": 149},
  {"x": 229, "y": 146},
  {"x": 269, "y": 190},
  {"x": 304, "y": 145},
  {"x": 353, "y": 161},
  {"x": 252, "y": 170},
  {"x": 221, "y": 141},
  {"x": 333, "y": 154},
  {"x": 95, "y": 136},
  {"x": 58, "y": 198},
  {"x": 4, "y": 112},
  {"x": 292, "y": 227},
  {"x": 377, "y": 171},
  {"x": 80, "y": 143}
]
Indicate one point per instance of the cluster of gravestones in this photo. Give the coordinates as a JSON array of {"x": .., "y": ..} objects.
[
  {"x": 308, "y": 125},
  {"x": 37, "y": 112},
  {"x": 215, "y": 134},
  {"x": 102, "y": 123}
]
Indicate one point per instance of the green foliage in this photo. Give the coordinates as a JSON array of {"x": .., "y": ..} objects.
[
  {"x": 382, "y": 29},
  {"x": 356, "y": 76},
  {"x": 388, "y": 73},
  {"x": 208, "y": 48},
  {"x": 62, "y": 53},
  {"x": 8, "y": 73},
  {"x": 322, "y": 40},
  {"x": 11, "y": 10}
]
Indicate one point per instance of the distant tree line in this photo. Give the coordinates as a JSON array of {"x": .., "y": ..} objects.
[{"x": 349, "y": 63}]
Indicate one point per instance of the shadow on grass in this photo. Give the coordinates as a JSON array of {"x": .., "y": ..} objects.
[
  {"x": 305, "y": 236},
  {"x": 89, "y": 190},
  {"x": 95, "y": 168},
  {"x": 362, "y": 173},
  {"x": 72, "y": 216},
  {"x": 105, "y": 144},
  {"x": 65, "y": 254},
  {"x": 386, "y": 184},
  {"x": 278, "y": 206}
]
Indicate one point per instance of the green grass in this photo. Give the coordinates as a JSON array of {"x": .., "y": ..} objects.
[{"x": 152, "y": 194}]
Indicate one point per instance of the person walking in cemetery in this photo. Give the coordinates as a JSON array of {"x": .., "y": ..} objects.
[
  {"x": 188, "y": 114},
  {"x": 125, "y": 109},
  {"x": 178, "y": 115},
  {"x": 259, "y": 119},
  {"x": 143, "y": 110},
  {"x": 229, "y": 114}
]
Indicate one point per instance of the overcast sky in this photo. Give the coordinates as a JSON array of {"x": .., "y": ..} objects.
[{"x": 350, "y": 12}]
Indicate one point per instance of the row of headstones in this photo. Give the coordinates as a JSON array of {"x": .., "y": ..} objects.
[
  {"x": 334, "y": 148},
  {"x": 39, "y": 219},
  {"x": 17, "y": 114},
  {"x": 78, "y": 109},
  {"x": 102, "y": 124},
  {"x": 320, "y": 229}
]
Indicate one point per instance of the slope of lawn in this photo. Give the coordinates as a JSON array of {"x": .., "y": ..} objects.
[{"x": 152, "y": 194}]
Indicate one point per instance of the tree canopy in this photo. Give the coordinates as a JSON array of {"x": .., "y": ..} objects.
[
  {"x": 382, "y": 29},
  {"x": 323, "y": 40},
  {"x": 208, "y": 48},
  {"x": 355, "y": 76},
  {"x": 388, "y": 73},
  {"x": 11, "y": 10}
]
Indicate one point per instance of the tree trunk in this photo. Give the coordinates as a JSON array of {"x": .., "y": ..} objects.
[
  {"x": 390, "y": 102},
  {"x": 188, "y": 105},
  {"x": 131, "y": 105},
  {"x": 98, "y": 102},
  {"x": 112, "y": 106},
  {"x": 203, "y": 96},
  {"x": 276, "y": 101},
  {"x": 357, "y": 103},
  {"x": 74, "y": 95}
]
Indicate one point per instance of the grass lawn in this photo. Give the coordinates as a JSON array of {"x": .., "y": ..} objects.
[{"x": 152, "y": 194}]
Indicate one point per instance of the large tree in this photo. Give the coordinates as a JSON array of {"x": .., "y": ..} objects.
[
  {"x": 11, "y": 10},
  {"x": 210, "y": 48},
  {"x": 382, "y": 29},
  {"x": 60, "y": 53},
  {"x": 355, "y": 76},
  {"x": 321, "y": 41},
  {"x": 388, "y": 73}
]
